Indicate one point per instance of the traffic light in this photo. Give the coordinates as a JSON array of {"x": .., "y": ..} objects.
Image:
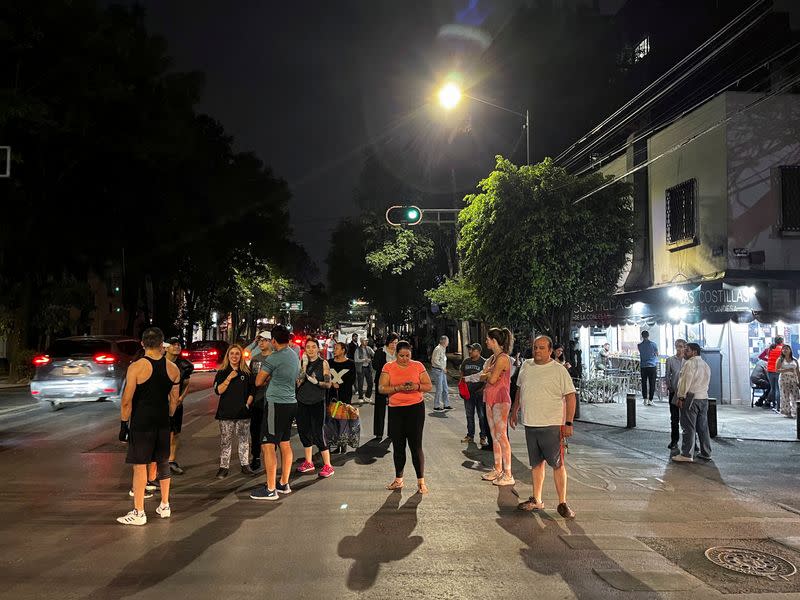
[{"x": 403, "y": 215}]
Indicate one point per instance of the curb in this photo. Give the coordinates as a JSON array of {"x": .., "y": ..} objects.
[{"x": 721, "y": 437}]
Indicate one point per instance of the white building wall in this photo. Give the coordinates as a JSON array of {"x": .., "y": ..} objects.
[{"x": 616, "y": 169}]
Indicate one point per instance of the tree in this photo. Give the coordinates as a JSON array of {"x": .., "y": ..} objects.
[
  {"x": 458, "y": 298},
  {"x": 531, "y": 251}
]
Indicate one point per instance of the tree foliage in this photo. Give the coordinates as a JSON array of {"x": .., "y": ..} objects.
[{"x": 458, "y": 298}]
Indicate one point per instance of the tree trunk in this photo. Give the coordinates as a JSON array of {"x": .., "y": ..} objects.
[{"x": 18, "y": 339}]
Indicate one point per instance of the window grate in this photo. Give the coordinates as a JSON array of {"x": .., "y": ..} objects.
[
  {"x": 790, "y": 198},
  {"x": 680, "y": 205}
]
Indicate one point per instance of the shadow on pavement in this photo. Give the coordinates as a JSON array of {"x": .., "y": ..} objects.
[
  {"x": 367, "y": 453},
  {"x": 386, "y": 537}
]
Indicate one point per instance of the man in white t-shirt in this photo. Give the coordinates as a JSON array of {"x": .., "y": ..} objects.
[{"x": 546, "y": 395}]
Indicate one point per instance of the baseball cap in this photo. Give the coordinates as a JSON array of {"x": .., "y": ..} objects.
[
  {"x": 475, "y": 346},
  {"x": 266, "y": 335}
]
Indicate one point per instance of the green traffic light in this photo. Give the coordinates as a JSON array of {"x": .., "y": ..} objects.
[{"x": 413, "y": 214}]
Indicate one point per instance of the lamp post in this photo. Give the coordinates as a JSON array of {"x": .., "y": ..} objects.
[{"x": 451, "y": 94}]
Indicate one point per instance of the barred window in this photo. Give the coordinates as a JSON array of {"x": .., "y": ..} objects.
[
  {"x": 680, "y": 205},
  {"x": 790, "y": 198}
]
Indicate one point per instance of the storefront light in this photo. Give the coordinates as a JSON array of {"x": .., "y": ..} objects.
[
  {"x": 677, "y": 293},
  {"x": 637, "y": 307},
  {"x": 677, "y": 313}
]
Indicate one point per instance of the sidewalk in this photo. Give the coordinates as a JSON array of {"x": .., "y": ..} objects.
[
  {"x": 740, "y": 422},
  {"x": 5, "y": 384}
]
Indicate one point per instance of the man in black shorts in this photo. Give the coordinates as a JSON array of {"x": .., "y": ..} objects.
[
  {"x": 544, "y": 387},
  {"x": 151, "y": 396},
  {"x": 281, "y": 369},
  {"x": 262, "y": 350},
  {"x": 172, "y": 349}
]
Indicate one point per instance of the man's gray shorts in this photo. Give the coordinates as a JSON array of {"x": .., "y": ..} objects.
[{"x": 544, "y": 443}]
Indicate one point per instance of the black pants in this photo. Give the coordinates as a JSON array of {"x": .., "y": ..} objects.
[
  {"x": 256, "y": 419},
  {"x": 379, "y": 416},
  {"x": 405, "y": 427},
  {"x": 649, "y": 376},
  {"x": 674, "y": 420},
  {"x": 310, "y": 424}
]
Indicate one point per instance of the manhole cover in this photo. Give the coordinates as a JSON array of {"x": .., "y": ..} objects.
[{"x": 751, "y": 562}]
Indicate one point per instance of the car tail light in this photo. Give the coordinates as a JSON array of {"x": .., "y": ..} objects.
[
  {"x": 34, "y": 392},
  {"x": 185, "y": 353},
  {"x": 212, "y": 353},
  {"x": 298, "y": 341},
  {"x": 247, "y": 353},
  {"x": 41, "y": 360},
  {"x": 105, "y": 359}
]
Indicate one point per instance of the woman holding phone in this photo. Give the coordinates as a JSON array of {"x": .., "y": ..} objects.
[{"x": 235, "y": 386}]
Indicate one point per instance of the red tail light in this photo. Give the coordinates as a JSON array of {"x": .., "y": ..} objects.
[
  {"x": 105, "y": 359},
  {"x": 185, "y": 353},
  {"x": 34, "y": 392},
  {"x": 212, "y": 353},
  {"x": 298, "y": 341},
  {"x": 41, "y": 360},
  {"x": 247, "y": 353}
]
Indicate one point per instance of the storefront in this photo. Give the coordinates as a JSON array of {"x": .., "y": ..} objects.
[{"x": 732, "y": 320}]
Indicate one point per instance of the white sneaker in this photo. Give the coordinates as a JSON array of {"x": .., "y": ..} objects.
[
  {"x": 146, "y": 493},
  {"x": 133, "y": 518},
  {"x": 164, "y": 511},
  {"x": 682, "y": 458}
]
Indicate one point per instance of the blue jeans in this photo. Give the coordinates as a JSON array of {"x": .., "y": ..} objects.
[
  {"x": 774, "y": 397},
  {"x": 475, "y": 405},
  {"x": 694, "y": 419},
  {"x": 440, "y": 398}
]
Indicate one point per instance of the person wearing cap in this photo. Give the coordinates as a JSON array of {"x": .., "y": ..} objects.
[
  {"x": 472, "y": 366},
  {"x": 259, "y": 351},
  {"x": 172, "y": 350}
]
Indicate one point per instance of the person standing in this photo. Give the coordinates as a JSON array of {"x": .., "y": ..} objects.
[
  {"x": 329, "y": 346},
  {"x": 546, "y": 395},
  {"x": 343, "y": 375},
  {"x": 603, "y": 358},
  {"x": 771, "y": 355},
  {"x": 363, "y": 360},
  {"x": 471, "y": 367},
  {"x": 172, "y": 350},
  {"x": 404, "y": 381},
  {"x": 789, "y": 375},
  {"x": 674, "y": 366},
  {"x": 280, "y": 369},
  {"x": 151, "y": 396},
  {"x": 313, "y": 384},
  {"x": 497, "y": 396},
  {"x": 441, "y": 400},
  {"x": 382, "y": 356},
  {"x": 693, "y": 404},
  {"x": 352, "y": 346},
  {"x": 235, "y": 387},
  {"x": 648, "y": 363},
  {"x": 262, "y": 350}
]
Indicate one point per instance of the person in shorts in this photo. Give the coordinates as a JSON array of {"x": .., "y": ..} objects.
[
  {"x": 281, "y": 369},
  {"x": 172, "y": 350},
  {"x": 546, "y": 395},
  {"x": 151, "y": 396}
]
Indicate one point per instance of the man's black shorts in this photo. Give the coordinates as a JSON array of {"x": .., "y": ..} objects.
[
  {"x": 176, "y": 420},
  {"x": 145, "y": 447},
  {"x": 276, "y": 425},
  {"x": 544, "y": 443}
]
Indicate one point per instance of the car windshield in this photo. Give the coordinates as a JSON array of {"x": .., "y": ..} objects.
[
  {"x": 78, "y": 347},
  {"x": 204, "y": 346}
]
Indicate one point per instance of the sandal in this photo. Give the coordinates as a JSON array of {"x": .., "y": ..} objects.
[
  {"x": 422, "y": 489},
  {"x": 491, "y": 475},
  {"x": 530, "y": 504},
  {"x": 395, "y": 485}
]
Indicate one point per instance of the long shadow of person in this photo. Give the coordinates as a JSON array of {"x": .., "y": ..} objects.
[
  {"x": 386, "y": 537},
  {"x": 366, "y": 454}
]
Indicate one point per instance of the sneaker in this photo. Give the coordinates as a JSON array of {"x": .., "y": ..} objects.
[
  {"x": 222, "y": 473},
  {"x": 448, "y": 408},
  {"x": 682, "y": 458},
  {"x": 164, "y": 511},
  {"x": 437, "y": 408},
  {"x": 504, "y": 479},
  {"x": 326, "y": 471},
  {"x": 151, "y": 486},
  {"x": 490, "y": 476},
  {"x": 174, "y": 467},
  {"x": 283, "y": 488},
  {"x": 262, "y": 493},
  {"x": 146, "y": 493},
  {"x": 704, "y": 456},
  {"x": 565, "y": 511},
  {"x": 133, "y": 518},
  {"x": 483, "y": 441},
  {"x": 255, "y": 465},
  {"x": 306, "y": 467},
  {"x": 672, "y": 445},
  {"x": 468, "y": 439},
  {"x": 247, "y": 470}
]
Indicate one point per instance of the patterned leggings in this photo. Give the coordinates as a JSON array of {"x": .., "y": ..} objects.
[{"x": 226, "y": 431}]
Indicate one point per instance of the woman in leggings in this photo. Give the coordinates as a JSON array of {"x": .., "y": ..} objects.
[
  {"x": 404, "y": 381},
  {"x": 496, "y": 395}
]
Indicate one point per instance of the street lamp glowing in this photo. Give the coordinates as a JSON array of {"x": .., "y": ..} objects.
[{"x": 449, "y": 96}]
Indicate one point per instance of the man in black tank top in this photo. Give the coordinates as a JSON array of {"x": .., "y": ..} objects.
[{"x": 150, "y": 398}]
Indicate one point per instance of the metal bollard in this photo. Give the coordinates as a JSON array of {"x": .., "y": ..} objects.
[
  {"x": 577, "y": 405},
  {"x": 712, "y": 417},
  {"x": 630, "y": 400}
]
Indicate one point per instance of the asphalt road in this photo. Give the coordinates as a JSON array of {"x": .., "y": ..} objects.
[{"x": 642, "y": 522}]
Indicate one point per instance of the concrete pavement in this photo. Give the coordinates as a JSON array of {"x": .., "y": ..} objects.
[{"x": 642, "y": 522}]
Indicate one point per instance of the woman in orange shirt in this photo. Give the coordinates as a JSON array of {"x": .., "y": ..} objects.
[{"x": 404, "y": 381}]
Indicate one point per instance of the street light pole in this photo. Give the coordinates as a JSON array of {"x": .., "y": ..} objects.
[{"x": 528, "y": 135}]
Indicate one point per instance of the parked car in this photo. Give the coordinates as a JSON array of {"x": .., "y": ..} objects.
[
  {"x": 206, "y": 355},
  {"x": 83, "y": 369}
]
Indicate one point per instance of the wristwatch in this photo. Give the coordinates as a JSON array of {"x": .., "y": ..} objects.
[{"x": 568, "y": 423}]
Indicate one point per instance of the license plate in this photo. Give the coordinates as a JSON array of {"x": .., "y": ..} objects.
[
  {"x": 198, "y": 365},
  {"x": 72, "y": 371}
]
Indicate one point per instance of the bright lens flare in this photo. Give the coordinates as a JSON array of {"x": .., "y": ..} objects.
[{"x": 449, "y": 96}]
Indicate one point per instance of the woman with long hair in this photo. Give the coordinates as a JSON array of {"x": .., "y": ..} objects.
[
  {"x": 497, "y": 397},
  {"x": 404, "y": 382},
  {"x": 312, "y": 389},
  {"x": 789, "y": 379},
  {"x": 235, "y": 386}
]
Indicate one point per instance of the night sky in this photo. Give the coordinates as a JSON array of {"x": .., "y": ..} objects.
[{"x": 306, "y": 85}]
